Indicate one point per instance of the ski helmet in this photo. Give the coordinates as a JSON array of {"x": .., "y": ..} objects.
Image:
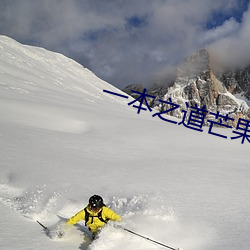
[{"x": 95, "y": 202}]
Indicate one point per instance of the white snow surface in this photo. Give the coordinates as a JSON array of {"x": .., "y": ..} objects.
[{"x": 63, "y": 139}]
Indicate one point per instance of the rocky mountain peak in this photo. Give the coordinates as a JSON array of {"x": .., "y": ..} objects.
[
  {"x": 194, "y": 65},
  {"x": 196, "y": 85}
]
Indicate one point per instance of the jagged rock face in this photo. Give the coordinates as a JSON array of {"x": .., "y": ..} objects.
[
  {"x": 237, "y": 81},
  {"x": 197, "y": 85}
]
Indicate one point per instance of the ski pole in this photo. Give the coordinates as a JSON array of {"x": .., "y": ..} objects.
[
  {"x": 146, "y": 238},
  {"x": 45, "y": 228}
]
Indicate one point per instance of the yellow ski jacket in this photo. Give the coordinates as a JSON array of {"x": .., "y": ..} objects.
[{"x": 94, "y": 223}]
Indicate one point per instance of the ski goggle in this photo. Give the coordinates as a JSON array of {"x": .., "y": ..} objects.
[{"x": 94, "y": 208}]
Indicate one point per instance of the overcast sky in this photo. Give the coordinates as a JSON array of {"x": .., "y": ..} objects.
[{"x": 131, "y": 41}]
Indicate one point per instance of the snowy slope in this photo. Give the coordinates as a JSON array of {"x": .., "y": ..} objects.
[{"x": 63, "y": 139}]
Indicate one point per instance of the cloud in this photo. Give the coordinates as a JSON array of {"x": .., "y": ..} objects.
[
  {"x": 228, "y": 28},
  {"x": 233, "y": 49},
  {"x": 121, "y": 41}
]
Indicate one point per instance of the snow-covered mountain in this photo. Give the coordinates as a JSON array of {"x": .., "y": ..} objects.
[
  {"x": 63, "y": 139},
  {"x": 199, "y": 83}
]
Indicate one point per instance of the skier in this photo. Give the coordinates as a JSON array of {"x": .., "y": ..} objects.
[{"x": 95, "y": 214}]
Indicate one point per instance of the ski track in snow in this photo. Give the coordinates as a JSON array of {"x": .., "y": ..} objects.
[{"x": 43, "y": 117}]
